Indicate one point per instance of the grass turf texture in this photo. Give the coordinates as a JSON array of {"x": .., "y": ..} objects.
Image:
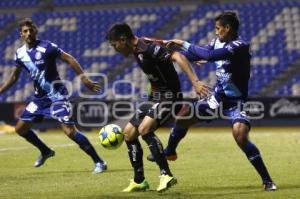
[{"x": 209, "y": 165}]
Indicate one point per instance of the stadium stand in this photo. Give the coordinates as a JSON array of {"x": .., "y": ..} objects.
[
  {"x": 5, "y": 19},
  {"x": 18, "y": 3},
  {"x": 91, "y": 2},
  {"x": 82, "y": 33}
]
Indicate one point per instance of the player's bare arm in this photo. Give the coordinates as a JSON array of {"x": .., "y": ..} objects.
[
  {"x": 91, "y": 85},
  {"x": 11, "y": 80},
  {"x": 201, "y": 88}
]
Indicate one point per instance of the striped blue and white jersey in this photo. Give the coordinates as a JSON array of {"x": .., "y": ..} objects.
[
  {"x": 232, "y": 62},
  {"x": 40, "y": 62}
]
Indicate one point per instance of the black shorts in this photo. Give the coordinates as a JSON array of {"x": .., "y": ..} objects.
[{"x": 161, "y": 110}]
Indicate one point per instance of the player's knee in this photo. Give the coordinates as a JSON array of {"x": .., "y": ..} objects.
[
  {"x": 127, "y": 133},
  {"x": 127, "y": 136},
  {"x": 19, "y": 130},
  {"x": 143, "y": 129},
  {"x": 70, "y": 132},
  {"x": 240, "y": 133}
]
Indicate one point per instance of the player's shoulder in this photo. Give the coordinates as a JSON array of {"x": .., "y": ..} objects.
[
  {"x": 238, "y": 43},
  {"x": 146, "y": 44},
  {"x": 213, "y": 41},
  {"x": 20, "y": 52},
  {"x": 46, "y": 43}
]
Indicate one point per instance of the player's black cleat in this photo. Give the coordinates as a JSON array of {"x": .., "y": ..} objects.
[
  {"x": 150, "y": 157},
  {"x": 42, "y": 158},
  {"x": 269, "y": 186}
]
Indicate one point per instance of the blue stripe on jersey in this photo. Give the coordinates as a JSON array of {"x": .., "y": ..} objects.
[{"x": 39, "y": 76}]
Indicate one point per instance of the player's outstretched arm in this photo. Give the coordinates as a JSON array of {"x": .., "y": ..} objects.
[
  {"x": 203, "y": 53},
  {"x": 14, "y": 76},
  {"x": 207, "y": 54},
  {"x": 91, "y": 85},
  {"x": 201, "y": 88}
]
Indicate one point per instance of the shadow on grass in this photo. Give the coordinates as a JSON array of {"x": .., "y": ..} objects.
[{"x": 197, "y": 192}]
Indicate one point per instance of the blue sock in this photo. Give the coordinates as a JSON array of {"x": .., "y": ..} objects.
[
  {"x": 86, "y": 146},
  {"x": 177, "y": 133},
  {"x": 31, "y": 137},
  {"x": 256, "y": 160}
]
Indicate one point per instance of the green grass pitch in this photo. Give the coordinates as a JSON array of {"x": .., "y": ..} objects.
[{"x": 210, "y": 165}]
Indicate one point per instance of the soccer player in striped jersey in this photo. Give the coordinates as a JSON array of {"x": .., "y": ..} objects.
[
  {"x": 232, "y": 59},
  {"x": 38, "y": 58}
]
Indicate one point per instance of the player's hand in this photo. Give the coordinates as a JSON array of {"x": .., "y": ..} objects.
[
  {"x": 91, "y": 85},
  {"x": 202, "y": 89},
  {"x": 200, "y": 62},
  {"x": 171, "y": 42}
]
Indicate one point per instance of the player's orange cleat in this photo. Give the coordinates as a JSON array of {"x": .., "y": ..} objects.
[{"x": 172, "y": 157}]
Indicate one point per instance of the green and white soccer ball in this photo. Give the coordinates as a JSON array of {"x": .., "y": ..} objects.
[{"x": 111, "y": 136}]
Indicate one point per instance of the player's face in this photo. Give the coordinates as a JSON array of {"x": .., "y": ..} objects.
[
  {"x": 221, "y": 31},
  {"x": 121, "y": 47},
  {"x": 28, "y": 34}
]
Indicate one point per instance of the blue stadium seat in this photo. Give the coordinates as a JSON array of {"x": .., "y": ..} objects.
[{"x": 82, "y": 33}]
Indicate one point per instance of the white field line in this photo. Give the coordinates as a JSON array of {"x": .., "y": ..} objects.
[{"x": 8, "y": 149}]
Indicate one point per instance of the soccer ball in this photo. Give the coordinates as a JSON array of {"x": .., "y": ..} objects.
[{"x": 111, "y": 136}]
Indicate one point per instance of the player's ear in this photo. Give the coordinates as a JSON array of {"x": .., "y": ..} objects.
[
  {"x": 227, "y": 27},
  {"x": 35, "y": 29}
]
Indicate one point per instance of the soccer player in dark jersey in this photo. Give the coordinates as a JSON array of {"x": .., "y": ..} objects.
[
  {"x": 156, "y": 61},
  {"x": 38, "y": 58},
  {"x": 232, "y": 59}
]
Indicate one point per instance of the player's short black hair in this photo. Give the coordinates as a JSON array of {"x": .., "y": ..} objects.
[
  {"x": 229, "y": 18},
  {"x": 27, "y": 22},
  {"x": 119, "y": 30}
]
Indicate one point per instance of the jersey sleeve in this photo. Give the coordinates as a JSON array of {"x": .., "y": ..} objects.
[
  {"x": 54, "y": 50},
  {"x": 17, "y": 61},
  {"x": 210, "y": 55},
  {"x": 158, "y": 52},
  {"x": 235, "y": 46},
  {"x": 190, "y": 56}
]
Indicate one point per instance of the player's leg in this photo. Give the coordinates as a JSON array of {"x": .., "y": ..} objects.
[
  {"x": 23, "y": 128},
  {"x": 146, "y": 130},
  {"x": 188, "y": 115},
  {"x": 61, "y": 111},
  {"x": 240, "y": 133},
  {"x": 135, "y": 153},
  {"x": 179, "y": 130},
  {"x": 74, "y": 134}
]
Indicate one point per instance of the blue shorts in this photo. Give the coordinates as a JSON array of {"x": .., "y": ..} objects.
[
  {"x": 210, "y": 108},
  {"x": 37, "y": 109}
]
